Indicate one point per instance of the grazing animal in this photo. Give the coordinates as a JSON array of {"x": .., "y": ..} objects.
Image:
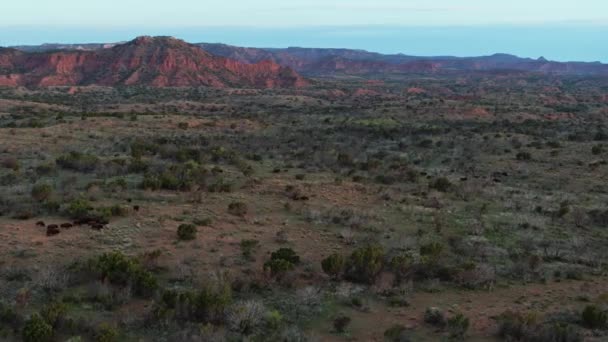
[
  {"x": 67, "y": 225},
  {"x": 40, "y": 224},
  {"x": 136, "y": 207},
  {"x": 52, "y": 230}
]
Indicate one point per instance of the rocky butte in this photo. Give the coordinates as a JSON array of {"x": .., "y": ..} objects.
[{"x": 149, "y": 61}]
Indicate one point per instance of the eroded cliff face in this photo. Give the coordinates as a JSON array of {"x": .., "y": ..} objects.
[
  {"x": 314, "y": 61},
  {"x": 153, "y": 61}
]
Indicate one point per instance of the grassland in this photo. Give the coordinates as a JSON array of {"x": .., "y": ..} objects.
[{"x": 456, "y": 207}]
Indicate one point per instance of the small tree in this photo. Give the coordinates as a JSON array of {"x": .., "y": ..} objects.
[
  {"x": 36, "y": 329},
  {"x": 186, "y": 232},
  {"x": 333, "y": 265},
  {"x": 41, "y": 192},
  {"x": 594, "y": 317},
  {"x": 441, "y": 184},
  {"x": 106, "y": 333},
  {"x": 282, "y": 261},
  {"x": 402, "y": 265},
  {"x": 458, "y": 325},
  {"x": 365, "y": 264},
  {"x": 434, "y": 316}
]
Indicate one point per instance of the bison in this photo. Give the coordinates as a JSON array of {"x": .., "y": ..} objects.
[
  {"x": 40, "y": 224},
  {"x": 66, "y": 225},
  {"x": 52, "y": 230}
]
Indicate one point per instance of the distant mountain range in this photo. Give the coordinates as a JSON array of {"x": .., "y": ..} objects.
[
  {"x": 166, "y": 61},
  {"x": 310, "y": 61}
]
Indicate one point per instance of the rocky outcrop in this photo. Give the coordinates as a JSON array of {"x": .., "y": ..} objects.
[{"x": 150, "y": 61}]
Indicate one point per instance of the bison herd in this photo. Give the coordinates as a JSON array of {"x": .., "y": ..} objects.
[
  {"x": 54, "y": 229},
  {"x": 95, "y": 223}
]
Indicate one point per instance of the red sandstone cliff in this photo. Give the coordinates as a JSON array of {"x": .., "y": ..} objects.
[{"x": 153, "y": 61}]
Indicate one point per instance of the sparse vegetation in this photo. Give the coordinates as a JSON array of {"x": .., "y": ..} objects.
[{"x": 310, "y": 213}]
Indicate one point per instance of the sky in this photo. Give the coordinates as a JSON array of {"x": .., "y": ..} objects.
[{"x": 555, "y": 29}]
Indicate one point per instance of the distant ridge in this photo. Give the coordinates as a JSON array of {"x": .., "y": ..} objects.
[
  {"x": 311, "y": 61},
  {"x": 151, "y": 61},
  {"x": 321, "y": 61}
]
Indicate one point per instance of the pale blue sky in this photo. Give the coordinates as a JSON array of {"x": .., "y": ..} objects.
[{"x": 558, "y": 29}]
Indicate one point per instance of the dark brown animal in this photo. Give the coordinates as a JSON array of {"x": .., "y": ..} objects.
[
  {"x": 67, "y": 225},
  {"x": 52, "y": 230},
  {"x": 40, "y": 224},
  {"x": 136, "y": 207}
]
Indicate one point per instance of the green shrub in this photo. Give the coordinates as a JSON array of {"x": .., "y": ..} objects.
[
  {"x": 287, "y": 254},
  {"x": 458, "y": 325},
  {"x": 202, "y": 221},
  {"x": 142, "y": 147},
  {"x": 206, "y": 305},
  {"x": 341, "y": 323},
  {"x": 597, "y": 149},
  {"x": 178, "y": 177},
  {"x": 514, "y": 326},
  {"x": 79, "y": 208},
  {"x": 248, "y": 247},
  {"x": 238, "y": 208},
  {"x": 434, "y": 316},
  {"x": 41, "y": 192},
  {"x": 523, "y": 156},
  {"x": 431, "y": 252},
  {"x": 402, "y": 265},
  {"x": 441, "y": 184},
  {"x": 333, "y": 265},
  {"x": 53, "y": 313},
  {"x": 396, "y": 333},
  {"x": 45, "y": 169},
  {"x": 557, "y": 332},
  {"x": 137, "y": 165},
  {"x": 36, "y": 329},
  {"x": 594, "y": 317},
  {"x": 77, "y": 161},
  {"x": 278, "y": 267},
  {"x": 274, "y": 320},
  {"x": 281, "y": 261},
  {"x": 9, "y": 317},
  {"x": 106, "y": 333},
  {"x": 186, "y": 232},
  {"x": 122, "y": 270},
  {"x": 365, "y": 264}
]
